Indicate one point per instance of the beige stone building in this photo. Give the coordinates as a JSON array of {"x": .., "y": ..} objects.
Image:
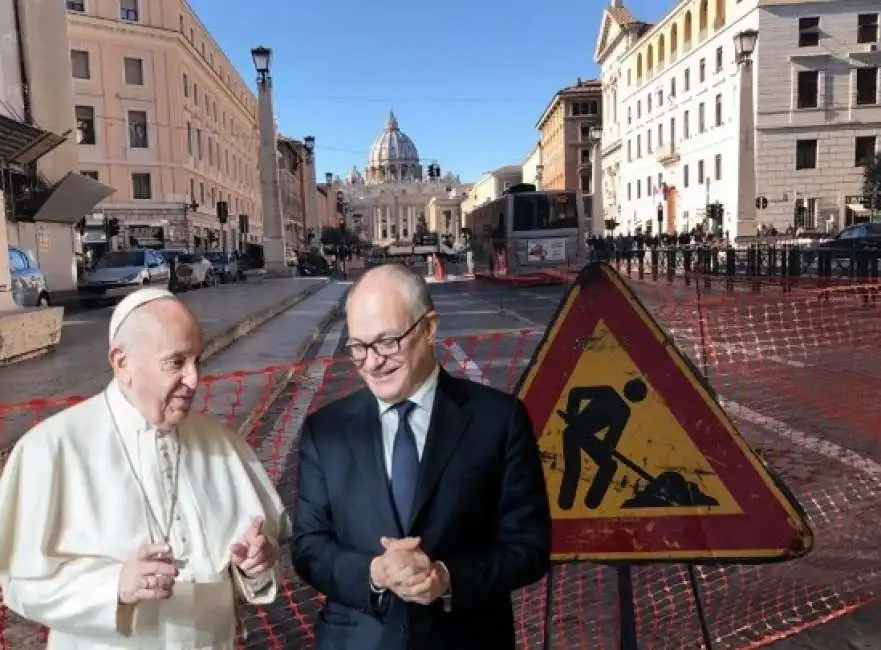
[
  {"x": 296, "y": 175},
  {"x": 43, "y": 196},
  {"x": 396, "y": 193},
  {"x": 566, "y": 128},
  {"x": 164, "y": 118}
]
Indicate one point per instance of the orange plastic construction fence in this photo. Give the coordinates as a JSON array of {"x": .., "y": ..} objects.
[{"x": 797, "y": 371}]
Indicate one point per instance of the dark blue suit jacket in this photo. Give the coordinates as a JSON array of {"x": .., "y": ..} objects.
[{"x": 481, "y": 508}]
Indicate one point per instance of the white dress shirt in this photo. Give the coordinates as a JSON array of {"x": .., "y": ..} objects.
[{"x": 420, "y": 418}]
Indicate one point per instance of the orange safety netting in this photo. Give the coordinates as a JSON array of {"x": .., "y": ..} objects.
[{"x": 796, "y": 370}]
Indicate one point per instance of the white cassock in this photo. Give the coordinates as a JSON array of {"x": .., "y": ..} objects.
[{"x": 75, "y": 502}]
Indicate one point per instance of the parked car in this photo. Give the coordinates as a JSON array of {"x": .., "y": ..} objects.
[
  {"x": 191, "y": 270},
  {"x": 226, "y": 267},
  {"x": 29, "y": 287},
  {"x": 118, "y": 273}
]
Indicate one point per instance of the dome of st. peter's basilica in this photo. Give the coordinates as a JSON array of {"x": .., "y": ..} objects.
[{"x": 393, "y": 157}]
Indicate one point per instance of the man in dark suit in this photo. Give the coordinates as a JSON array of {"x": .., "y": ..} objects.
[{"x": 421, "y": 499}]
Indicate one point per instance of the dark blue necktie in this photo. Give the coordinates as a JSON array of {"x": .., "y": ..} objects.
[{"x": 405, "y": 465}]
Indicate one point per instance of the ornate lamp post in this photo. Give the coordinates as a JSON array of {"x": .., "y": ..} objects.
[
  {"x": 270, "y": 188},
  {"x": 744, "y": 46}
]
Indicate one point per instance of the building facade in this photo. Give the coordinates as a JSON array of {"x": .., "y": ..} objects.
[
  {"x": 164, "y": 118},
  {"x": 491, "y": 186},
  {"x": 815, "y": 106},
  {"x": 619, "y": 31},
  {"x": 390, "y": 201},
  {"x": 567, "y": 127},
  {"x": 296, "y": 172},
  {"x": 43, "y": 195},
  {"x": 531, "y": 169}
]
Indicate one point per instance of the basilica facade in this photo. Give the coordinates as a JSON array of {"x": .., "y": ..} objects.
[{"x": 396, "y": 193}]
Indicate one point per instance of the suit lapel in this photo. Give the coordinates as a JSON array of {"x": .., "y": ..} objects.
[
  {"x": 365, "y": 442},
  {"x": 450, "y": 417}
]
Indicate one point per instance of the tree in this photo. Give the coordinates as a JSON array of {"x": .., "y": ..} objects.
[
  {"x": 872, "y": 182},
  {"x": 331, "y": 236}
]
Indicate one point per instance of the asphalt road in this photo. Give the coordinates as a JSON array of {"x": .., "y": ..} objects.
[{"x": 784, "y": 373}]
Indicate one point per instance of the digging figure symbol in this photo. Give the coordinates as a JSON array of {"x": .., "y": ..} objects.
[{"x": 608, "y": 410}]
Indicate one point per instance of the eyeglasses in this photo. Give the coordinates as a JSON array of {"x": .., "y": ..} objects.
[{"x": 384, "y": 347}]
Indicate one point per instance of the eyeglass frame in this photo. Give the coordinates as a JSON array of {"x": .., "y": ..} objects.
[{"x": 395, "y": 340}]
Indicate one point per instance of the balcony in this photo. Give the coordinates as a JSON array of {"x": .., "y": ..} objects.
[{"x": 667, "y": 155}]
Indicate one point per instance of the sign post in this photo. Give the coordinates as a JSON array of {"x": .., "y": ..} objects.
[{"x": 642, "y": 464}]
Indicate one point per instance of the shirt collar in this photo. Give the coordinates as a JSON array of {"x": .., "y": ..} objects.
[{"x": 423, "y": 396}]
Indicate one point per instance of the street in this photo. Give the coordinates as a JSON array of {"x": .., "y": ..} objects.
[
  {"x": 828, "y": 455},
  {"x": 488, "y": 333}
]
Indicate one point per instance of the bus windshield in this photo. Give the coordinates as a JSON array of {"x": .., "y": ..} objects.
[{"x": 544, "y": 211}]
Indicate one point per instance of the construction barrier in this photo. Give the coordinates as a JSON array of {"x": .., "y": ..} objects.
[{"x": 797, "y": 371}]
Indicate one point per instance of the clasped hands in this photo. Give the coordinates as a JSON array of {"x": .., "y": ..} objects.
[
  {"x": 150, "y": 573},
  {"x": 407, "y": 571}
]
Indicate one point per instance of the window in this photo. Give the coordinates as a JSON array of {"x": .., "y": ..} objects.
[
  {"x": 134, "y": 71},
  {"x": 128, "y": 10},
  {"x": 867, "y": 85},
  {"x": 137, "y": 130},
  {"x": 867, "y": 28},
  {"x": 190, "y": 138},
  {"x": 809, "y": 32},
  {"x": 199, "y": 145},
  {"x": 542, "y": 211},
  {"x": 686, "y": 122},
  {"x": 186, "y": 83},
  {"x": 702, "y": 71},
  {"x": 79, "y": 64},
  {"x": 181, "y": 26},
  {"x": 808, "y": 88},
  {"x": 585, "y": 156},
  {"x": 85, "y": 124},
  {"x": 76, "y": 5},
  {"x": 864, "y": 150},
  {"x": 701, "y": 118},
  {"x": 806, "y": 154},
  {"x": 719, "y": 109},
  {"x": 687, "y": 80},
  {"x": 196, "y": 94},
  {"x": 685, "y": 175},
  {"x": 718, "y": 167},
  {"x": 672, "y": 87},
  {"x": 88, "y": 173},
  {"x": 142, "y": 186},
  {"x": 720, "y": 55},
  {"x": 700, "y": 172}
]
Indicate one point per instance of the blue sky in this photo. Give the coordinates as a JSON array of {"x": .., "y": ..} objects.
[{"x": 466, "y": 79}]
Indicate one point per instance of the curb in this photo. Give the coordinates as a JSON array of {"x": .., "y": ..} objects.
[
  {"x": 282, "y": 378},
  {"x": 253, "y": 321}
]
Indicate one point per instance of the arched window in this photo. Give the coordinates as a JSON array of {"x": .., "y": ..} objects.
[
  {"x": 639, "y": 68},
  {"x": 650, "y": 61},
  {"x": 674, "y": 42},
  {"x": 703, "y": 19},
  {"x": 662, "y": 43},
  {"x": 719, "y": 21},
  {"x": 688, "y": 28}
]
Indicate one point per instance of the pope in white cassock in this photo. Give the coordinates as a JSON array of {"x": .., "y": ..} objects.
[{"x": 127, "y": 521}]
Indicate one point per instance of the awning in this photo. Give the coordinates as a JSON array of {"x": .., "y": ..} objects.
[
  {"x": 72, "y": 198},
  {"x": 22, "y": 144},
  {"x": 857, "y": 208}
]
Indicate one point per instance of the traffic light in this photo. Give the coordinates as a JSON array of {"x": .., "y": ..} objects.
[
  {"x": 762, "y": 202},
  {"x": 112, "y": 227}
]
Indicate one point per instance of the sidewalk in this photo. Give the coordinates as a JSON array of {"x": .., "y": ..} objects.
[
  {"x": 79, "y": 366},
  {"x": 235, "y": 389}
]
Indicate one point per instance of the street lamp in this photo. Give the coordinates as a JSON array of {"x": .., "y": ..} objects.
[
  {"x": 744, "y": 46},
  {"x": 262, "y": 58},
  {"x": 328, "y": 179},
  {"x": 309, "y": 145},
  {"x": 270, "y": 187}
]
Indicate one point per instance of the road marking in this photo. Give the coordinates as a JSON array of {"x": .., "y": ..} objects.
[{"x": 807, "y": 441}]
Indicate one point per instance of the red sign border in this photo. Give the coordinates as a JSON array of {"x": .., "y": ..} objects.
[{"x": 772, "y": 527}]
